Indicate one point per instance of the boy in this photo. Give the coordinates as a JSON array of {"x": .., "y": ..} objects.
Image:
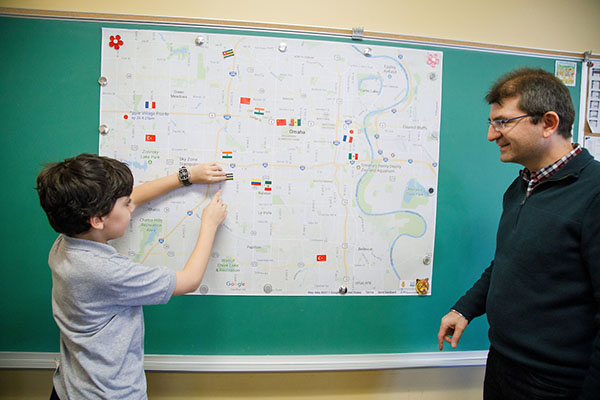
[{"x": 98, "y": 294}]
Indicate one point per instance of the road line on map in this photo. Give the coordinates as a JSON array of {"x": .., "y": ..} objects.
[{"x": 177, "y": 225}]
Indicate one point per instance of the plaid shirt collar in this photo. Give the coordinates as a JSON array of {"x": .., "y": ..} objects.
[{"x": 535, "y": 178}]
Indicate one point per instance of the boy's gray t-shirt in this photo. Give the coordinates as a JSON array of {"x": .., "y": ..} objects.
[{"x": 97, "y": 298}]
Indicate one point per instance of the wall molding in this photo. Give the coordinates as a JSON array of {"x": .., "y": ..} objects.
[
  {"x": 282, "y": 363},
  {"x": 289, "y": 29}
]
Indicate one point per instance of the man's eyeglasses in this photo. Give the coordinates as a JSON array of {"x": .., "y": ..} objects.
[{"x": 498, "y": 124}]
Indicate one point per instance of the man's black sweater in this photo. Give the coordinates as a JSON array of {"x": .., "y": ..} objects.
[{"x": 542, "y": 291}]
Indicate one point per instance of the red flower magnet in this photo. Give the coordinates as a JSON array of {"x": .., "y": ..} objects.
[{"x": 115, "y": 42}]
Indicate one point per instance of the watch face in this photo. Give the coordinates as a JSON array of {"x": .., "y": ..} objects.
[{"x": 184, "y": 176}]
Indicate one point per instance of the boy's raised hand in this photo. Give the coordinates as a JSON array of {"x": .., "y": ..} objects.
[
  {"x": 206, "y": 173},
  {"x": 215, "y": 212},
  {"x": 190, "y": 277}
]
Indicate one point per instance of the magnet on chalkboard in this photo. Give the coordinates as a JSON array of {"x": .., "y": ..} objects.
[
  {"x": 103, "y": 129},
  {"x": 102, "y": 81},
  {"x": 358, "y": 33},
  {"x": 343, "y": 290}
]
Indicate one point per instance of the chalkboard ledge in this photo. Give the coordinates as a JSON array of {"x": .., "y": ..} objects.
[{"x": 280, "y": 363}]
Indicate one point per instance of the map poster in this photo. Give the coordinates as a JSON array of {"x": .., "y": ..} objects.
[{"x": 331, "y": 148}]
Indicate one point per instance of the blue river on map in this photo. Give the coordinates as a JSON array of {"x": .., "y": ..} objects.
[{"x": 369, "y": 115}]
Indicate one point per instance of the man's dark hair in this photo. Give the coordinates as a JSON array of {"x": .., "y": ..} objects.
[
  {"x": 73, "y": 190},
  {"x": 540, "y": 92}
]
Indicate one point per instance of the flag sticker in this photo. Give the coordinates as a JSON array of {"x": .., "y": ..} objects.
[
  {"x": 321, "y": 257},
  {"x": 228, "y": 53},
  {"x": 267, "y": 186},
  {"x": 348, "y": 139},
  {"x": 295, "y": 122},
  {"x": 245, "y": 100},
  {"x": 259, "y": 111},
  {"x": 352, "y": 156},
  {"x": 150, "y": 104},
  {"x": 227, "y": 154},
  {"x": 281, "y": 122},
  {"x": 255, "y": 182},
  {"x": 150, "y": 138},
  {"x": 229, "y": 176}
]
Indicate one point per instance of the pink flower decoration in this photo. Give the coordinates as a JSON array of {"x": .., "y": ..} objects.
[{"x": 432, "y": 60}]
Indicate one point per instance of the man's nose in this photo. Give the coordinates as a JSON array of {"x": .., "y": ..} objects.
[{"x": 493, "y": 134}]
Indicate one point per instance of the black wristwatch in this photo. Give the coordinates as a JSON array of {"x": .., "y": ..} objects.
[{"x": 184, "y": 176}]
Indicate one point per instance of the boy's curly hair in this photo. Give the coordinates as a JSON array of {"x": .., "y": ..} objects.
[{"x": 76, "y": 189}]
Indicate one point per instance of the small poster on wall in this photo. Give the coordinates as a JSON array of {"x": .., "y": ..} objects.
[{"x": 566, "y": 72}]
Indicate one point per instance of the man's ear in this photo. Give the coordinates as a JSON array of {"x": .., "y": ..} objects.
[
  {"x": 97, "y": 222},
  {"x": 550, "y": 122}
]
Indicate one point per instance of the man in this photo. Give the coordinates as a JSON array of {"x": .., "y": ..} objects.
[{"x": 541, "y": 292}]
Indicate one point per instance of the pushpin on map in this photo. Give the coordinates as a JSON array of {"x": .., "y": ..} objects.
[
  {"x": 102, "y": 81},
  {"x": 103, "y": 129},
  {"x": 199, "y": 40},
  {"x": 282, "y": 47},
  {"x": 367, "y": 51},
  {"x": 343, "y": 290}
]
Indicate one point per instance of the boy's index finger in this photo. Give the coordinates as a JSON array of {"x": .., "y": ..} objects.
[{"x": 213, "y": 167}]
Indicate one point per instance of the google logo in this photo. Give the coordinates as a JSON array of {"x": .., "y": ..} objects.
[{"x": 238, "y": 284}]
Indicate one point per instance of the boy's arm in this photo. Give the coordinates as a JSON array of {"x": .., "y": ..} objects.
[
  {"x": 190, "y": 277},
  {"x": 202, "y": 173}
]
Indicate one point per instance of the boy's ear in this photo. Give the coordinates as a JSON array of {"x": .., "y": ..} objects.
[{"x": 97, "y": 222}]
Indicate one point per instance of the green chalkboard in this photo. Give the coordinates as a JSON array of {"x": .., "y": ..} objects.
[{"x": 49, "y": 102}]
